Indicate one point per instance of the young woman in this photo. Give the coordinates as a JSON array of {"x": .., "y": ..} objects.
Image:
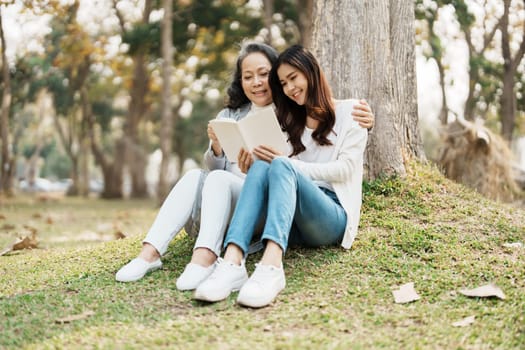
[
  {"x": 312, "y": 198},
  {"x": 217, "y": 190}
]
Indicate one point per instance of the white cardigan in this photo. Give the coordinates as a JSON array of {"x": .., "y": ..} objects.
[{"x": 345, "y": 170}]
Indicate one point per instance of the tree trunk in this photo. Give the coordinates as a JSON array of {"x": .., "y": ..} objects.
[
  {"x": 437, "y": 54},
  {"x": 6, "y": 171},
  {"x": 166, "y": 130},
  {"x": 136, "y": 156},
  {"x": 305, "y": 21},
  {"x": 379, "y": 65},
  {"x": 112, "y": 172},
  {"x": 510, "y": 67},
  {"x": 39, "y": 138},
  {"x": 268, "y": 21}
]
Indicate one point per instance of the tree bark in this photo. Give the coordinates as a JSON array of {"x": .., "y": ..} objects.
[
  {"x": 7, "y": 168},
  {"x": 166, "y": 130},
  {"x": 305, "y": 21},
  {"x": 377, "y": 64}
]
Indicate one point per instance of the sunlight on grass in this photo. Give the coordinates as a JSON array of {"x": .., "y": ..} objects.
[{"x": 422, "y": 229}]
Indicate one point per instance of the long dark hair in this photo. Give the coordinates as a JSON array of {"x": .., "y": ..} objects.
[
  {"x": 236, "y": 96},
  {"x": 318, "y": 104}
]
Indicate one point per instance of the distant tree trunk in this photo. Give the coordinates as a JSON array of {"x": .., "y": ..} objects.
[
  {"x": 437, "y": 54},
  {"x": 32, "y": 163},
  {"x": 7, "y": 171},
  {"x": 166, "y": 130},
  {"x": 111, "y": 171},
  {"x": 306, "y": 21},
  {"x": 268, "y": 21},
  {"x": 367, "y": 49},
  {"x": 474, "y": 57},
  {"x": 135, "y": 156},
  {"x": 83, "y": 183},
  {"x": 510, "y": 67}
]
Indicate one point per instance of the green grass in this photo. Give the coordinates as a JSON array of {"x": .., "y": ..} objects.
[{"x": 422, "y": 229}]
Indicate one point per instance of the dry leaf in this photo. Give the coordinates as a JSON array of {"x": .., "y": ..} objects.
[
  {"x": 27, "y": 242},
  {"x": 119, "y": 235},
  {"x": 405, "y": 294},
  {"x": 467, "y": 321},
  {"x": 513, "y": 245},
  {"x": 69, "y": 319},
  {"x": 8, "y": 227},
  {"x": 49, "y": 220},
  {"x": 489, "y": 290},
  {"x": 49, "y": 197},
  {"x": 37, "y": 216},
  {"x": 2, "y": 217}
]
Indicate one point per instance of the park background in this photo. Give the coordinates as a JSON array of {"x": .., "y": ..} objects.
[{"x": 102, "y": 109}]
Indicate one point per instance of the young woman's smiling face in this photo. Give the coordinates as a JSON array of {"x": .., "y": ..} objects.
[
  {"x": 255, "y": 70},
  {"x": 294, "y": 83}
]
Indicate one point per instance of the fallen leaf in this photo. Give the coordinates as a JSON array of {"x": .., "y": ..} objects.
[
  {"x": 513, "y": 245},
  {"x": 27, "y": 242},
  {"x": 119, "y": 235},
  {"x": 69, "y": 319},
  {"x": 2, "y": 217},
  {"x": 49, "y": 220},
  {"x": 405, "y": 294},
  {"x": 489, "y": 290},
  {"x": 49, "y": 197},
  {"x": 8, "y": 227},
  {"x": 37, "y": 216},
  {"x": 467, "y": 321}
]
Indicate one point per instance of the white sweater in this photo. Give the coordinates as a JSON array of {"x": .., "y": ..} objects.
[{"x": 345, "y": 170}]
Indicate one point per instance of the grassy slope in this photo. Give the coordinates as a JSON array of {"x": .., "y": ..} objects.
[{"x": 423, "y": 229}]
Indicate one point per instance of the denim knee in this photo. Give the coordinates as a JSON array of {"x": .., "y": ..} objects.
[
  {"x": 258, "y": 170},
  {"x": 281, "y": 165}
]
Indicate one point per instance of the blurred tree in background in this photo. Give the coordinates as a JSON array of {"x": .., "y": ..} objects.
[{"x": 90, "y": 86}]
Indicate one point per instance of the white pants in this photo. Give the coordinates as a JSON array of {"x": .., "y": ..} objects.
[{"x": 219, "y": 196}]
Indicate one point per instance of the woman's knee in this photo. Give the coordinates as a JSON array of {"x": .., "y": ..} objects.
[
  {"x": 281, "y": 165},
  {"x": 218, "y": 177},
  {"x": 189, "y": 180},
  {"x": 258, "y": 173},
  {"x": 259, "y": 166}
]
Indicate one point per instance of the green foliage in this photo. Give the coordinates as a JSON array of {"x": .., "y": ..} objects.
[
  {"x": 143, "y": 37},
  {"x": 190, "y": 138},
  {"x": 57, "y": 164},
  {"x": 103, "y": 111}
]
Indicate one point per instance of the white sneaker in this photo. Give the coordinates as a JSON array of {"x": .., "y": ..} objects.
[
  {"x": 265, "y": 283},
  {"x": 226, "y": 278},
  {"x": 136, "y": 269},
  {"x": 193, "y": 275}
]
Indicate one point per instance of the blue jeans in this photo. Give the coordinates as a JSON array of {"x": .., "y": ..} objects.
[{"x": 295, "y": 207}]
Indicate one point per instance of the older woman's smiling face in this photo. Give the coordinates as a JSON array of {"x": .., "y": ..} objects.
[{"x": 255, "y": 70}]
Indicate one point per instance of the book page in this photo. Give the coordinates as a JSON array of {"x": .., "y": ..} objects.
[
  {"x": 230, "y": 138},
  {"x": 260, "y": 127}
]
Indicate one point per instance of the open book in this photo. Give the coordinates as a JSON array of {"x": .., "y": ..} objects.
[{"x": 259, "y": 127}]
